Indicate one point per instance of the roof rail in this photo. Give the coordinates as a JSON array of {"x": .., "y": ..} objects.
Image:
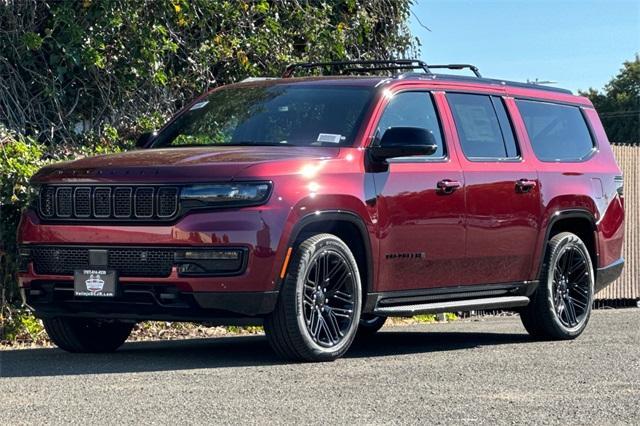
[
  {"x": 356, "y": 66},
  {"x": 473, "y": 68},
  {"x": 253, "y": 79}
]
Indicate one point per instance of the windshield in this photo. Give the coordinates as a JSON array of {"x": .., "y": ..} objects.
[{"x": 271, "y": 115}]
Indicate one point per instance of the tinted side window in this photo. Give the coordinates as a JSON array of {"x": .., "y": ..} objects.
[
  {"x": 412, "y": 109},
  {"x": 483, "y": 126},
  {"x": 557, "y": 132}
]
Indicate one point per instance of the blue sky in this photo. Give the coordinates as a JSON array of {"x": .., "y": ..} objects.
[{"x": 578, "y": 43}]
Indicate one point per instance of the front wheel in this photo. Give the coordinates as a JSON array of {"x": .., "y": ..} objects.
[
  {"x": 87, "y": 335},
  {"x": 561, "y": 306},
  {"x": 318, "y": 309}
]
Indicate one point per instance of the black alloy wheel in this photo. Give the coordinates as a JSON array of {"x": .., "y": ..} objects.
[
  {"x": 561, "y": 306},
  {"x": 328, "y": 302},
  {"x": 319, "y": 304},
  {"x": 571, "y": 286}
]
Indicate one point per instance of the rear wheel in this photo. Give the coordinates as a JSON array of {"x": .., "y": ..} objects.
[
  {"x": 318, "y": 309},
  {"x": 561, "y": 306},
  {"x": 87, "y": 335},
  {"x": 370, "y": 324}
]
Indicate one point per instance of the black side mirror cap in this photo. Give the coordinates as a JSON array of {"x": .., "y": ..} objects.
[
  {"x": 145, "y": 138},
  {"x": 404, "y": 142}
]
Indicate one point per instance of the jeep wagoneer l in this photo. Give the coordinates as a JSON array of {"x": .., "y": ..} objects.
[{"x": 320, "y": 206}]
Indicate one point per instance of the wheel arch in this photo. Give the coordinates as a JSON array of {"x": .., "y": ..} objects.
[
  {"x": 577, "y": 221},
  {"x": 349, "y": 227}
]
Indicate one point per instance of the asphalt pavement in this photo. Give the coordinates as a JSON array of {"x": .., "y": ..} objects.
[{"x": 483, "y": 371}]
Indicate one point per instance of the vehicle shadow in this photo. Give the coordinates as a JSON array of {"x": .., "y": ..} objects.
[{"x": 221, "y": 352}]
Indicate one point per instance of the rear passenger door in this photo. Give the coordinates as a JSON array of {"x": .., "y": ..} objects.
[{"x": 501, "y": 191}]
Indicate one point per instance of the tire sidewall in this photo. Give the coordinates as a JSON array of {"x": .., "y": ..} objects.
[
  {"x": 306, "y": 259},
  {"x": 567, "y": 240}
]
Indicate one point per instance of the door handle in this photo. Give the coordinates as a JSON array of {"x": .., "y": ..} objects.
[
  {"x": 447, "y": 186},
  {"x": 525, "y": 185}
]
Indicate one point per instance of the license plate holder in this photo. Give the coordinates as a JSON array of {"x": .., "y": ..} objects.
[{"x": 95, "y": 282}]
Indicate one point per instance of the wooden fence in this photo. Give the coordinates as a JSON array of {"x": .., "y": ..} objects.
[{"x": 628, "y": 285}]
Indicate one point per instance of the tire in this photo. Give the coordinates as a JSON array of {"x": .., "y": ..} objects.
[
  {"x": 370, "y": 324},
  {"x": 561, "y": 306},
  {"x": 87, "y": 335},
  {"x": 314, "y": 322}
]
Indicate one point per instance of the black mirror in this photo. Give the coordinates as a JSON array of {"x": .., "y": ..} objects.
[
  {"x": 145, "y": 138},
  {"x": 404, "y": 142}
]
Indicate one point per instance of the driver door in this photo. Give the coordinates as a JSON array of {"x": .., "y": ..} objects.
[{"x": 420, "y": 227}]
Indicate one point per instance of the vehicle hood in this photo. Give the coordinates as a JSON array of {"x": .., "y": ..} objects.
[{"x": 175, "y": 164}]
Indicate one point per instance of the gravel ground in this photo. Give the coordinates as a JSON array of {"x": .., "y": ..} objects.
[{"x": 482, "y": 371}]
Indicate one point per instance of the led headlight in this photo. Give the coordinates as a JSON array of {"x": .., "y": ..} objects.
[{"x": 228, "y": 194}]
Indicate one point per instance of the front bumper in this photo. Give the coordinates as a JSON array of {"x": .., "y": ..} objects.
[
  {"x": 257, "y": 230},
  {"x": 249, "y": 292},
  {"x": 140, "y": 302}
]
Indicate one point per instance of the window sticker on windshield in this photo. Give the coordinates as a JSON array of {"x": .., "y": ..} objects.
[
  {"x": 198, "y": 105},
  {"x": 329, "y": 137}
]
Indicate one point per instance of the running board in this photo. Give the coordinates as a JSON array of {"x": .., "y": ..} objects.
[{"x": 454, "y": 306}]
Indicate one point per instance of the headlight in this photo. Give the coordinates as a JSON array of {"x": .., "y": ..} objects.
[{"x": 233, "y": 194}]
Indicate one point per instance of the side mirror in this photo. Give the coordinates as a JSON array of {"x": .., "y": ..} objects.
[
  {"x": 403, "y": 142},
  {"x": 145, "y": 138}
]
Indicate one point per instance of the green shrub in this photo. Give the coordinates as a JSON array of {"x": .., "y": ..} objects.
[
  {"x": 426, "y": 318},
  {"x": 20, "y": 158},
  {"x": 21, "y": 326},
  {"x": 72, "y": 70}
]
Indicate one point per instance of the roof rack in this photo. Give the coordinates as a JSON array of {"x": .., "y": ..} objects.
[
  {"x": 473, "y": 68},
  {"x": 356, "y": 66},
  {"x": 411, "y": 64}
]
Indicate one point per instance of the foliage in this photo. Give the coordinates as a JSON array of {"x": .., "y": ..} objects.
[
  {"x": 450, "y": 316},
  {"x": 20, "y": 158},
  {"x": 76, "y": 69},
  {"x": 21, "y": 326},
  {"x": 619, "y": 104},
  {"x": 425, "y": 318},
  {"x": 430, "y": 318}
]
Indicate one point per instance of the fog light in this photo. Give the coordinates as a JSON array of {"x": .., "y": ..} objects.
[
  {"x": 211, "y": 262},
  {"x": 212, "y": 255},
  {"x": 191, "y": 269}
]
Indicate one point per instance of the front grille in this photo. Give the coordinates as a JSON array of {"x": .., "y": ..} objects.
[
  {"x": 141, "y": 263},
  {"x": 83, "y": 202},
  {"x": 64, "y": 205},
  {"x": 143, "y": 203},
  {"x": 59, "y": 261},
  {"x": 128, "y": 262},
  {"x": 104, "y": 203}
]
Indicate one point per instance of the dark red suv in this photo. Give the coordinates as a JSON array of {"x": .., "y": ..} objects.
[{"x": 320, "y": 206}]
